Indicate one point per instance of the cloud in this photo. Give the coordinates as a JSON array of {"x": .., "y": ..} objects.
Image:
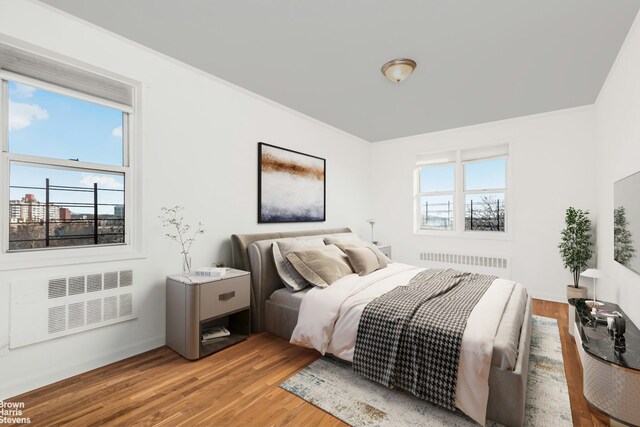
[
  {"x": 22, "y": 91},
  {"x": 117, "y": 132},
  {"x": 21, "y": 114},
  {"x": 103, "y": 181}
]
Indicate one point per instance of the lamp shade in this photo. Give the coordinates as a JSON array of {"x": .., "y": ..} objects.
[
  {"x": 398, "y": 69},
  {"x": 592, "y": 273}
]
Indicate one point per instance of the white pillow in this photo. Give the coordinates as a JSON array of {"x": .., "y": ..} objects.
[{"x": 283, "y": 247}]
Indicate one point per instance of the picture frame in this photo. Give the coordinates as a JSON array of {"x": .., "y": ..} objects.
[{"x": 291, "y": 185}]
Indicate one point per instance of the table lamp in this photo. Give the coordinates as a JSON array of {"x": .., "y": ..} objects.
[{"x": 595, "y": 275}]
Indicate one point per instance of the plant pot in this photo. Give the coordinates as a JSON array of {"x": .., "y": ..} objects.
[{"x": 579, "y": 292}]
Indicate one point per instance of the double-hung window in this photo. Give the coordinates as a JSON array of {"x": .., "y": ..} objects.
[
  {"x": 462, "y": 191},
  {"x": 65, "y": 154}
]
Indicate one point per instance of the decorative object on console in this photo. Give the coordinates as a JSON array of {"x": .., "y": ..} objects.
[
  {"x": 291, "y": 186},
  {"x": 177, "y": 230},
  {"x": 626, "y": 222},
  {"x": 575, "y": 247},
  {"x": 595, "y": 275}
]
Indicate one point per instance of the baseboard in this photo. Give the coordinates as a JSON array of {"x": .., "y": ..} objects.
[
  {"x": 548, "y": 297},
  {"x": 42, "y": 379}
]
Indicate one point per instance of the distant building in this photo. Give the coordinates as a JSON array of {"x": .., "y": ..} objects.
[
  {"x": 118, "y": 211},
  {"x": 65, "y": 214},
  {"x": 29, "y": 209}
]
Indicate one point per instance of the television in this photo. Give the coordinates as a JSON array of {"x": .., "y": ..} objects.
[{"x": 626, "y": 222}]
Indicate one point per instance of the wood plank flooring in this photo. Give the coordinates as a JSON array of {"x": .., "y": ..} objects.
[{"x": 235, "y": 387}]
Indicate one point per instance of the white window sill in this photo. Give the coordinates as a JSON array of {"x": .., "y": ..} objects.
[
  {"x": 58, "y": 258},
  {"x": 476, "y": 235}
]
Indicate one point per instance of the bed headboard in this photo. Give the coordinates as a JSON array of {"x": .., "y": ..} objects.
[{"x": 264, "y": 277}]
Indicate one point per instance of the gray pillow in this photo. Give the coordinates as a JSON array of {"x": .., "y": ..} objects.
[
  {"x": 283, "y": 247},
  {"x": 321, "y": 267},
  {"x": 382, "y": 258},
  {"x": 363, "y": 260}
]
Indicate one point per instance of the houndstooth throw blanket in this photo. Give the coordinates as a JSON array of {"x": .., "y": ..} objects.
[{"x": 410, "y": 337}]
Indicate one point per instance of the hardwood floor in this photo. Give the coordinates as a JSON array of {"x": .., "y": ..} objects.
[{"x": 237, "y": 386}]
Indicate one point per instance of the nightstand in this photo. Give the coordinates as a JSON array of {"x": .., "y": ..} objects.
[
  {"x": 385, "y": 249},
  {"x": 197, "y": 303}
]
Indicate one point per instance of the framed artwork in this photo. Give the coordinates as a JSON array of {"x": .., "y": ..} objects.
[{"x": 291, "y": 186}]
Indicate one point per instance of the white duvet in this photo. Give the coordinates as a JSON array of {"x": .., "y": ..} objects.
[{"x": 328, "y": 321}]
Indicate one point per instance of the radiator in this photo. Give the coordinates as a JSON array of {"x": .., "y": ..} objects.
[
  {"x": 484, "y": 264},
  {"x": 47, "y": 308}
]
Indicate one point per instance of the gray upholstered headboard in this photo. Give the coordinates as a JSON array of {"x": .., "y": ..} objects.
[{"x": 264, "y": 277}]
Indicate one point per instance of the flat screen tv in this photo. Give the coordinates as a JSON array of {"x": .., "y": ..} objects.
[{"x": 626, "y": 222}]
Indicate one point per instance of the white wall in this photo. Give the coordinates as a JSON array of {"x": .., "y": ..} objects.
[
  {"x": 199, "y": 143},
  {"x": 618, "y": 154},
  {"x": 551, "y": 161}
]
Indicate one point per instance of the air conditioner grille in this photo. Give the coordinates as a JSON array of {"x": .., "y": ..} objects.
[
  {"x": 126, "y": 305},
  {"x": 94, "y": 311},
  {"x": 76, "y": 315},
  {"x": 47, "y": 308},
  {"x": 94, "y": 282},
  {"x": 126, "y": 278},
  {"x": 57, "y": 319},
  {"x": 76, "y": 285},
  {"x": 111, "y": 280},
  {"x": 110, "y": 308},
  {"x": 57, "y": 288}
]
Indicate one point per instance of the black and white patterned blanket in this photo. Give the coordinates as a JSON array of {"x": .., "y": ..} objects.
[{"x": 410, "y": 337}]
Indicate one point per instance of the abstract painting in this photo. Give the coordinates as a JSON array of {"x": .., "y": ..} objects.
[{"x": 291, "y": 185}]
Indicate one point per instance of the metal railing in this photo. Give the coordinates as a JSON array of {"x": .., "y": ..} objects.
[
  {"x": 479, "y": 216},
  {"x": 92, "y": 228}
]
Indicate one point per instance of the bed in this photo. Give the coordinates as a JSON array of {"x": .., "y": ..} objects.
[{"x": 276, "y": 310}]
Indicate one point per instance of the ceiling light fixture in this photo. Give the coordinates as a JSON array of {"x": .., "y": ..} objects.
[{"x": 398, "y": 69}]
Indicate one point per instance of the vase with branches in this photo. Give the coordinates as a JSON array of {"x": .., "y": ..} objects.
[
  {"x": 177, "y": 230},
  {"x": 575, "y": 245}
]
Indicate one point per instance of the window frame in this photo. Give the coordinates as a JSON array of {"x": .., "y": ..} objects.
[
  {"x": 418, "y": 196},
  {"x": 466, "y": 192},
  {"x": 460, "y": 194},
  {"x": 68, "y": 255}
]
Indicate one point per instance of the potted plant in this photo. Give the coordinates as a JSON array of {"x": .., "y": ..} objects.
[{"x": 575, "y": 248}]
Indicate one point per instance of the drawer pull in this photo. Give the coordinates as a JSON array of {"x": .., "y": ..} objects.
[{"x": 227, "y": 296}]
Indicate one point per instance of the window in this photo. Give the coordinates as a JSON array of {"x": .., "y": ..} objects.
[
  {"x": 477, "y": 204},
  {"x": 437, "y": 197},
  {"x": 65, "y": 151}
]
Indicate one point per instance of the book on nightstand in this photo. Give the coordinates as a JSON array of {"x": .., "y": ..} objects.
[
  {"x": 215, "y": 333},
  {"x": 213, "y": 272}
]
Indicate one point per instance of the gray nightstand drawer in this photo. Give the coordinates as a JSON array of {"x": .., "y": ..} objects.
[{"x": 224, "y": 296}]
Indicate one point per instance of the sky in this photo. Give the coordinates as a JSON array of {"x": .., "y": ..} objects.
[
  {"x": 48, "y": 124},
  {"x": 482, "y": 175}
]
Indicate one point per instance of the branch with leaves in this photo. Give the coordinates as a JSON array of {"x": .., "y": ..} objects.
[
  {"x": 178, "y": 231},
  {"x": 623, "y": 250}
]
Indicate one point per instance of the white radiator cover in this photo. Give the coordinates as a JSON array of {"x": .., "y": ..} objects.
[
  {"x": 496, "y": 265},
  {"x": 52, "y": 307}
]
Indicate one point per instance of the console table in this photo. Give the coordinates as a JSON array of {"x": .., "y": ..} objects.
[{"x": 611, "y": 380}]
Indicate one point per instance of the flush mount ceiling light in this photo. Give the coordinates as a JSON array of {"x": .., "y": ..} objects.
[{"x": 398, "y": 69}]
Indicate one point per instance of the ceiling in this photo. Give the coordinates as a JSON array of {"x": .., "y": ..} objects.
[{"x": 478, "y": 61}]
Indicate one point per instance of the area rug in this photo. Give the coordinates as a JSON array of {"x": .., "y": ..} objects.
[{"x": 333, "y": 386}]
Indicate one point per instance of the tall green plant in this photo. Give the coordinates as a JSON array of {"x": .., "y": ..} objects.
[
  {"x": 575, "y": 245},
  {"x": 623, "y": 250}
]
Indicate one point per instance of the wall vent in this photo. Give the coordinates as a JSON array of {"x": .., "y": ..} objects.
[
  {"x": 486, "y": 264},
  {"x": 43, "y": 309}
]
